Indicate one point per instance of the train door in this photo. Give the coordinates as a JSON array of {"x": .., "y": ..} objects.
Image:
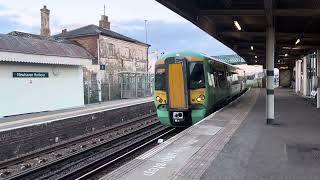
[
  {"x": 177, "y": 86},
  {"x": 222, "y": 81}
]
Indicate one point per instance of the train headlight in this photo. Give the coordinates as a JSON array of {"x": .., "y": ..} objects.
[
  {"x": 200, "y": 98},
  {"x": 159, "y": 99}
]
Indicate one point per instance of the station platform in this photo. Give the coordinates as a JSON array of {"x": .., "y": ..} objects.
[
  {"x": 25, "y": 134},
  {"x": 19, "y": 121},
  {"x": 235, "y": 143}
]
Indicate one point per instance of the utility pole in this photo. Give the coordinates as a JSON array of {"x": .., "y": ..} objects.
[{"x": 145, "y": 26}]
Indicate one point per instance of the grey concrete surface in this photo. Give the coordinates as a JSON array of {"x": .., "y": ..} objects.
[{"x": 289, "y": 150}]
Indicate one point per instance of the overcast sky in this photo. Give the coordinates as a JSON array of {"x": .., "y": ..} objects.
[{"x": 167, "y": 31}]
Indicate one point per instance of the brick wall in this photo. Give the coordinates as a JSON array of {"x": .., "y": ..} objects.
[
  {"x": 89, "y": 43},
  {"x": 127, "y": 56},
  {"x": 24, "y": 140}
]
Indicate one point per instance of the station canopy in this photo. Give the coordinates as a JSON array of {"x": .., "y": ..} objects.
[
  {"x": 241, "y": 25},
  {"x": 233, "y": 59}
]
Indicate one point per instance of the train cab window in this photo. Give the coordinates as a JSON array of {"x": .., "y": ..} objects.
[
  {"x": 160, "y": 78},
  {"x": 234, "y": 78},
  {"x": 222, "y": 79},
  {"x": 197, "y": 79}
]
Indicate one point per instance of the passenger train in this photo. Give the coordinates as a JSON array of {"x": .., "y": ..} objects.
[{"x": 190, "y": 85}]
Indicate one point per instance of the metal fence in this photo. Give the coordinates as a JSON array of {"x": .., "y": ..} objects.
[
  {"x": 124, "y": 85},
  {"x": 134, "y": 85}
]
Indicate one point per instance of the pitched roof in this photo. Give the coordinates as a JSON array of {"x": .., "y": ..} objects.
[
  {"x": 233, "y": 59},
  {"x": 92, "y": 30},
  {"x": 26, "y": 35},
  {"x": 20, "y": 44}
]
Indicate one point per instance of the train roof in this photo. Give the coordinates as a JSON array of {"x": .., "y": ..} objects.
[{"x": 193, "y": 54}]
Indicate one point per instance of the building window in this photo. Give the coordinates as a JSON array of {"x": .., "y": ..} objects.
[
  {"x": 111, "y": 49},
  {"x": 133, "y": 54},
  {"x": 140, "y": 55},
  {"x": 126, "y": 52}
]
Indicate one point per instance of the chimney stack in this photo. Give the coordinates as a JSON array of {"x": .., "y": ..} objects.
[
  {"x": 104, "y": 23},
  {"x": 64, "y": 32},
  {"x": 45, "y": 25}
]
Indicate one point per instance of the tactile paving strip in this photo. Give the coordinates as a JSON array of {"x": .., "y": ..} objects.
[{"x": 123, "y": 170}]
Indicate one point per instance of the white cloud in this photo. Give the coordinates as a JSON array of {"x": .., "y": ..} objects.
[
  {"x": 20, "y": 17},
  {"x": 87, "y": 12},
  {"x": 127, "y": 27},
  {"x": 167, "y": 31}
]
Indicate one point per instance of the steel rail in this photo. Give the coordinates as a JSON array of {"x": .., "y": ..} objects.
[
  {"x": 97, "y": 169},
  {"x": 65, "y": 145}
]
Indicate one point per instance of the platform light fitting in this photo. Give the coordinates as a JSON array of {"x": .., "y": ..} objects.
[
  {"x": 286, "y": 55},
  {"x": 256, "y": 57},
  {"x": 256, "y": 61},
  {"x": 236, "y": 23},
  {"x": 297, "y": 41},
  {"x": 251, "y": 48}
]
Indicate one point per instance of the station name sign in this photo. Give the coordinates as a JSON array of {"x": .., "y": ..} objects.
[{"x": 30, "y": 74}]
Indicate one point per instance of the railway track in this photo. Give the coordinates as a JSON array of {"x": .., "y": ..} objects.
[
  {"x": 98, "y": 167},
  {"x": 94, "y": 168},
  {"x": 84, "y": 154}
]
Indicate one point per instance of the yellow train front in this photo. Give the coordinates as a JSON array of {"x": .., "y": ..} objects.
[{"x": 189, "y": 86}]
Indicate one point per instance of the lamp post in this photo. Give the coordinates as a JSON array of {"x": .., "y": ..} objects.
[{"x": 145, "y": 26}]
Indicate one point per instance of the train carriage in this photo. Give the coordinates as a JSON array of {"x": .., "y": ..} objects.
[{"x": 190, "y": 85}]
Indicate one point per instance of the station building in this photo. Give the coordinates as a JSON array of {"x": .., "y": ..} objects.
[
  {"x": 111, "y": 50},
  {"x": 120, "y": 65},
  {"x": 40, "y": 75}
]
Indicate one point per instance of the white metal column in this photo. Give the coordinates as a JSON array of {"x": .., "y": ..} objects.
[
  {"x": 99, "y": 76},
  {"x": 318, "y": 79},
  {"x": 270, "y": 42},
  {"x": 297, "y": 76},
  {"x": 305, "y": 77}
]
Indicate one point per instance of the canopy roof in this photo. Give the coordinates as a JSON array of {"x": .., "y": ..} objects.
[
  {"x": 233, "y": 59},
  {"x": 292, "y": 20}
]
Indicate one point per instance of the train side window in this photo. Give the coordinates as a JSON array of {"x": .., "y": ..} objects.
[
  {"x": 222, "y": 79},
  {"x": 216, "y": 79},
  {"x": 234, "y": 78},
  {"x": 160, "y": 78},
  {"x": 211, "y": 78},
  {"x": 210, "y": 82}
]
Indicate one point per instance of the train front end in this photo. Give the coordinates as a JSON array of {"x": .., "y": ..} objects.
[{"x": 180, "y": 90}]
